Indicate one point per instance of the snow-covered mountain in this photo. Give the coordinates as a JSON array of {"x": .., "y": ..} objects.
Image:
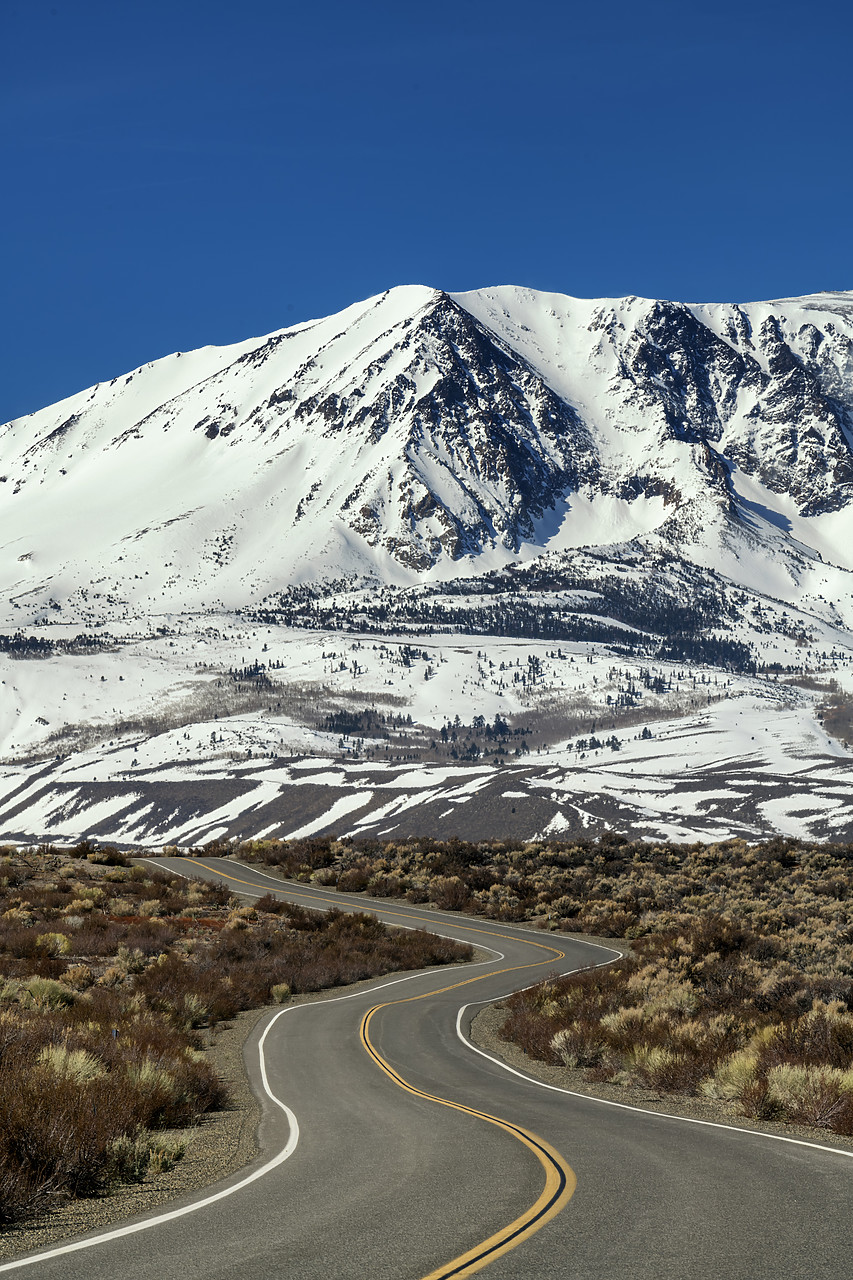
[
  {"x": 421, "y": 437},
  {"x": 595, "y": 560}
]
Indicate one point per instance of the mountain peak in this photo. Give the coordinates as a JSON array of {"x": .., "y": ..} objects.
[{"x": 421, "y": 433}]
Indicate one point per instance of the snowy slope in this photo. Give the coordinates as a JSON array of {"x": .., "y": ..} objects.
[
  {"x": 418, "y": 435},
  {"x": 161, "y": 756},
  {"x": 367, "y": 441},
  {"x": 429, "y": 506}
]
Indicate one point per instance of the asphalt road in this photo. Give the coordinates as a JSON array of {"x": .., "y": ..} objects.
[{"x": 387, "y": 1183}]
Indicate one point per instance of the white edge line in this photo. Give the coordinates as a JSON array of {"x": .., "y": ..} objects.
[
  {"x": 626, "y": 1106},
  {"x": 606, "y": 1102},
  {"x": 285, "y": 1153}
]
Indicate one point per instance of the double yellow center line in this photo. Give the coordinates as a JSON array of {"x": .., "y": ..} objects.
[{"x": 560, "y": 1181}]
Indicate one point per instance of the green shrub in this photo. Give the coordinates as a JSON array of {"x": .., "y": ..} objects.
[
  {"x": 77, "y": 1065},
  {"x": 55, "y": 944},
  {"x": 46, "y": 993},
  {"x": 128, "y": 1158}
]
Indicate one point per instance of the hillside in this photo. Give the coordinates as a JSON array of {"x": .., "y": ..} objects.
[{"x": 637, "y": 514}]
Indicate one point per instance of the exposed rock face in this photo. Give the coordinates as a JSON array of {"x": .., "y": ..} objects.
[
  {"x": 797, "y": 437},
  {"x": 416, "y": 430},
  {"x": 482, "y": 446},
  {"x": 753, "y": 385}
]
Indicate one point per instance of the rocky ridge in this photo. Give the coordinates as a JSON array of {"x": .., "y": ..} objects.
[{"x": 420, "y": 438}]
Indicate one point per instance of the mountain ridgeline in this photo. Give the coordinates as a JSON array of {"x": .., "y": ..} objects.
[{"x": 665, "y": 477}]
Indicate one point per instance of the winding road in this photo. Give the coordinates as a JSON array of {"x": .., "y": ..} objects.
[{"x": 394, "y": 1150}]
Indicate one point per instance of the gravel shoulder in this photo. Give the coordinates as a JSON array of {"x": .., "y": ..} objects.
[
  {"x": 219, "y": 1145},
  {"x": 222, "y": 1143},
  {"x": 485, "y": 1030}
]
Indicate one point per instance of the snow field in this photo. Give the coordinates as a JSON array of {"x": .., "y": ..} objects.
[{"x": 697, "y": 774}]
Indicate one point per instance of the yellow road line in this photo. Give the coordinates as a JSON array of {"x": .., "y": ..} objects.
[{"x": 560, "y": 1180}]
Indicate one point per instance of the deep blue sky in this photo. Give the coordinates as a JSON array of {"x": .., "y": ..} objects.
[{"x": 176, "y": 173}]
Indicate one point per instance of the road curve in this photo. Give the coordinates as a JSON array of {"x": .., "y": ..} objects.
[{"x": 417, "y": 1157}]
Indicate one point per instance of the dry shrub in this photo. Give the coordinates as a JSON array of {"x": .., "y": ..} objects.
[
  {"x": 57, "y": 1134},
  {"x": 734, "y": 1077},
  {"x": 78, "y": 977},
  {"x": 101, "y": 1002},
  {"x": 325, "y": 876},
  {"x": 379, "y": 886},
  {"x": 808, "y": 1094},
  {"x": 22, "y": 1192},
  {"x": 821, "y": 1037},
  {"x": 842, "y": 1121},
  {"x": 77, "y": 1065},
  {"x": 122, "y": 906},
  {"x": 449, "y": 893},
  {"x": 355, "y": 880},
  {"x": 46, "y": 993},
  {"x": 55, "y": 944},
  {"x": 270, "y": 905},
  {"x": 577, "y": 1045},
  {"x": 128, "y": 1158},
  {"x": 527, "y": 1028},
  {"x": 680, "y": 1015}
]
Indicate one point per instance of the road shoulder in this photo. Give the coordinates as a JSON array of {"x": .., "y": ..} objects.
[
  {"x": 220, "y": 1144},
  {"x": 485, "y": 1034}
]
